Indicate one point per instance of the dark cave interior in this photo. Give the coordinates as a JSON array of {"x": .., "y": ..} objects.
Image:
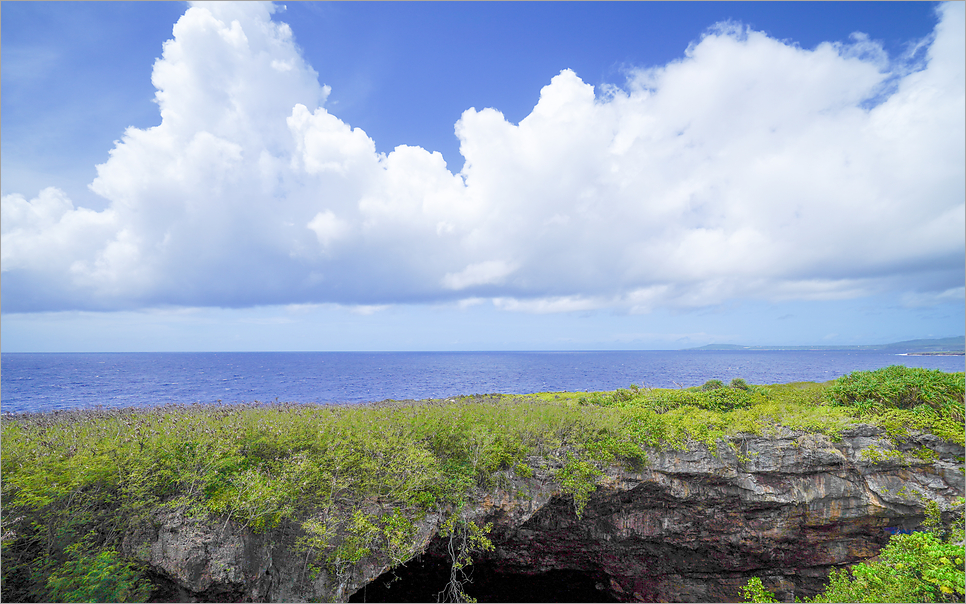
[{"x": 424, "y": 579}]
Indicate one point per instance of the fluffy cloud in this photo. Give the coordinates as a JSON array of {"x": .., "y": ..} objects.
[{"x": 748, "y": 168}]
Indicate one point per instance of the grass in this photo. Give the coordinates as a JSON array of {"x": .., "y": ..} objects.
[{"x": 87, "y": 477}]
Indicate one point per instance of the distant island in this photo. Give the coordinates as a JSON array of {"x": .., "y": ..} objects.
[{"x": 937, "y": 346}]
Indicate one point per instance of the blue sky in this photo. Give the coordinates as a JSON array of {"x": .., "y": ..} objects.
[{"x": 480, "y": 176}]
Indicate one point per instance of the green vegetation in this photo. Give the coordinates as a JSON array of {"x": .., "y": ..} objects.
[
  {"x": 463, "y": 540},
  {"x": 96, "y": 578},
  {"x": 755, "y": 591},
  {"x": 925, "y": 566},
  {"x": 354, "y": 481},
  {"x": 899, "y": 398}
]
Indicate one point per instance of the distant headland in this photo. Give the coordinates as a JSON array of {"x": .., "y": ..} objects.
[{"x": 937, "y": 346}]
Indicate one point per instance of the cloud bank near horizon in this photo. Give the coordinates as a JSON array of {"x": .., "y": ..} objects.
[{"x": 749, "y": 168}]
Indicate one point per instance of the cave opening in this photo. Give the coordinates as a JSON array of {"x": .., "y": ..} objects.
[
  {"x": 424, "y": 579},
  {"x": 164, "y": 589}
]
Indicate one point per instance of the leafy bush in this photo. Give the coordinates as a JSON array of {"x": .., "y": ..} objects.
[
  {"x": 754, "y": 591},
  {"x": 739, "y": 384},
  {"x": 898, "y": 387},
  {"x": 911, "y": 568},
  {"x": 902, "y": 398},
  {"x": 712, "y": 385},
  {"x": 925, "y": 566},
  {"x": 578, "y": 478},
  {"x": 100, "y": 577}
]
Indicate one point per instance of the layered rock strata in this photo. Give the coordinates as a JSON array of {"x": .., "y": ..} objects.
[{"x": 691, "y": 526}]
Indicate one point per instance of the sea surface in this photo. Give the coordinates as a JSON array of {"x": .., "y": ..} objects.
[{"x": 38, "y": 382}]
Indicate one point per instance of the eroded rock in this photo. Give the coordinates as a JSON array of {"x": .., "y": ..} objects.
[{"x": 691, "y": 526}]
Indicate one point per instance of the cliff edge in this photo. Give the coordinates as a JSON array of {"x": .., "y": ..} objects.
[{"x": 693, "y": 526}]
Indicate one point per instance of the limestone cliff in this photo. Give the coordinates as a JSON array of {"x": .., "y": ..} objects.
[{"x": 691, "y": 525}]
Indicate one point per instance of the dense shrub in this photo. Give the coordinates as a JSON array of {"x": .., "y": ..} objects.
[
  {"x": 911, "y": 568},
  {"x": 101, "y": 577},
  {"x": 903, "y": 398},
  {"x": 739, "y": 384},
  {"x": 899, "y": 387}
]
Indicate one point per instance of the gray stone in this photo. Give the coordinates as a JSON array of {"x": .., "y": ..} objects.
[{"x": 691, "y": 526}]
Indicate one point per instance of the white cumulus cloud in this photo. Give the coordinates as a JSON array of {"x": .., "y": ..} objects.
[
  {"x": 481, "y": 273},
  {"x": 748, "y": 168}
]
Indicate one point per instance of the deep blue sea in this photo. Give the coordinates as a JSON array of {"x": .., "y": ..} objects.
[{"x": 52, "y": 381}]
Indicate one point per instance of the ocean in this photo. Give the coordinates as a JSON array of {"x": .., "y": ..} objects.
[{"x": 36, "y": 382}]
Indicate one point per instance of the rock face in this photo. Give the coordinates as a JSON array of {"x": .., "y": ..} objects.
[
  {"x": 690, "y": 527},
  {"x": 695, "y": 527}
]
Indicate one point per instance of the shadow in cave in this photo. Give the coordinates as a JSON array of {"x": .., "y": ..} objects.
[{"x": 424, "y": 578}]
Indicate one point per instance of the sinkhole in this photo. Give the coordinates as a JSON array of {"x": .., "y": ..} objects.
[{"x": 424, "y": 579}]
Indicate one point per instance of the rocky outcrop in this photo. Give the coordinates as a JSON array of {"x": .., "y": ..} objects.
[{"x": 690, "y": 526}]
